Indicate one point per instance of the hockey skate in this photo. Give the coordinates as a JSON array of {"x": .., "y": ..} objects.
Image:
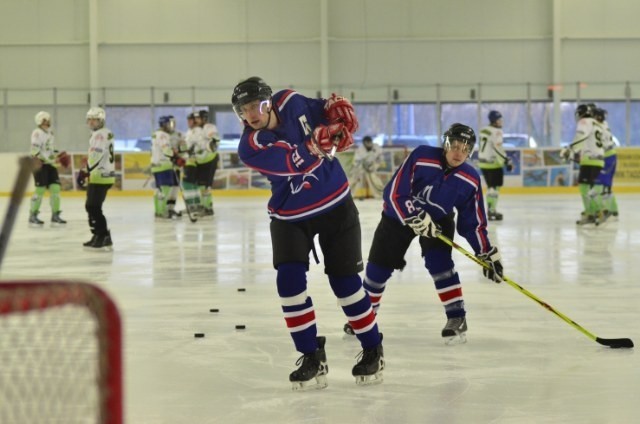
[
  {"x": 586, "y": 219},
  {"x": 494, "y": 216},
  {"x": 34, "y": 221},
  {"x": 454, "y": 331},
  {"x": 312, "y": 373},
  {"x": 370, "y": 365},
  {"x": 174, "y": 215},
  {"x": 56, "y": 219},
  {"x": 100, "y": 242}
]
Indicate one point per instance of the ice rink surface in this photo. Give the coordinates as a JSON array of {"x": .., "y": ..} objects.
[{"x": 521, "y": 363}]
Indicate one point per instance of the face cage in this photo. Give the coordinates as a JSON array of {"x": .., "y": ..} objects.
[
  {"x": 468, "y": 147},
  {"x": 264, "y": 107},
  {"x": 170, "y": 126},
  {"x": 100, "y": 123}
]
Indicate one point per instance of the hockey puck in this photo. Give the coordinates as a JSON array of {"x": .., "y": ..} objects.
[
  {"x": 241, "y": 327},
  {"x": 214, "y": 310},
  {"x": 198, "y": 335},
  {"x": 242, "y": 289}
]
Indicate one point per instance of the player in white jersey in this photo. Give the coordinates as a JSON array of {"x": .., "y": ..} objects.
[
  {"x": 609, "y": 202},
  {"x": 163, "y": 159},
  {"x": 207, "y": 159},
  {"x": 588, "y": 141},
  {"x": 492, "y": 160},
  {"x": 101, "y": 173},
  {"x": 46, "y": 177},
  {"x": 193, "y": 139},
  {"x": 366, "y": 162}
]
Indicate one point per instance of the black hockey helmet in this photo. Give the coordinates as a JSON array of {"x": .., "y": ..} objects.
[
  {"x": 584, "y": 111},
  {"x": 600, "y": 114},
  {"x": 494, "y": 115},
  {"x": 203, "y": 114},
  {"x": 461, "y": 133},
  {"x": 249, "y": 90}
]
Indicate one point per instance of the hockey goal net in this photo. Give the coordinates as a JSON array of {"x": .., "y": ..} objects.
[{"x": 60, "y": 354}]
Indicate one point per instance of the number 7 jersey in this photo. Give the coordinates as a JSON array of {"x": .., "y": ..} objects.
[{"x": 101, "y": 159}]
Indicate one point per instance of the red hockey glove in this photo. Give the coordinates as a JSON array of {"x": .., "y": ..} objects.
[
  {"x": 328, "y": 139},
  {"x": 178, "y": 161},
  {"x": 63, "y": 159},
  {"x": 340, "y": 109}
]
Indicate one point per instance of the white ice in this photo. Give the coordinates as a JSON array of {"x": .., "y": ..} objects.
[{"x": 521, "y": 364}]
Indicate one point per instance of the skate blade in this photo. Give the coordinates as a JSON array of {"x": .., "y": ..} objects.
[
  {"x": 98, "y": 249},
  {"x": 370, "y": 380},
  {"x": 456, "y": 340},
  {"x": 318, "y": 383}
]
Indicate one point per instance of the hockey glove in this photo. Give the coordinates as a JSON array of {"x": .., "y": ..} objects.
[
  {"x": 340, "y": 109},
  {"x": 81, "y": 178},
  {"x": 327, "y": 139},
  {"x": 422, "y": 225},
  {"x": 508, "y": 163},
  {"x": 566, "y": 154},
  {"x": 178, "y": 160},
  {"x": 492, "y": 258},
  {"x": 64, "y": 159}
]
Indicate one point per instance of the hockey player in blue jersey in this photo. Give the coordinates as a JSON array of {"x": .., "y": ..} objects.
[
  {"x": 291, "y": 140},
  {"x": 419, "y": 201}
]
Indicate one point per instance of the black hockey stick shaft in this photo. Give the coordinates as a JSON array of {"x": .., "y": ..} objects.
[
  {"x": 26, "y": 165},
  {"x": 613, "y": 343}
]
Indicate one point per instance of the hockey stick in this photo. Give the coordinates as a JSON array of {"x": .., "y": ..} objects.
[
  {"x": 186, "y": 205},
  {"x": 612, "y": 343},
  {"x": 26, "y": 166}
]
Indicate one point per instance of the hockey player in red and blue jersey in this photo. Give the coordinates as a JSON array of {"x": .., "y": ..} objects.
[
  {"x": 291, "y": 140},
  {"x": 419, "y": 201}
]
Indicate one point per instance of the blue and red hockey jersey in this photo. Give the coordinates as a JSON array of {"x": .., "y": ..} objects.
[
  {"x": 302, "y": 185},
  {"x": 425, "y": 182}
]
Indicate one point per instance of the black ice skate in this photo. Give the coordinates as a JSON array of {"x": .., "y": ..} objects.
[
  {"x": 34, "y": 221},
  {"x": 370, "y": 365},
  {"x": 100, "y": 242},
  {"x": 454, "y": 331},
  {"x": 56, "y": 219},
  {"x": 494, "y": 216},
  {"x": 313, "y": 370}
]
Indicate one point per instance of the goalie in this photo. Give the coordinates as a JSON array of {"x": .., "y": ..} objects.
[
  {"x": 366, "y": 162},
  {"x": 46, "y": 177}
]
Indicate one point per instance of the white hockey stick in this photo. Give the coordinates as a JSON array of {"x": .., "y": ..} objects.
[{"x": 26, "y": 166}]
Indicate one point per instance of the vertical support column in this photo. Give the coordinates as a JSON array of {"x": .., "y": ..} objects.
[
  {"x": 93, "y": 51},
  {"x": 479, "y": 107},
  {"x": 152, "y": 103},
  {"x": 389, "y": 126},
  {"x": 439, "y": 111},
  {"x": 529, "y": 118},
  {"x": 193, "y": 98},
  {"x": 54, "y": 94},
  {"x": 324, "y": 48},
  {"x": 5, "y": 113},
  {"x": 578, "y": 93},
  {"x": 627, "y": 115},
  {"x": 557, "y": 73}
]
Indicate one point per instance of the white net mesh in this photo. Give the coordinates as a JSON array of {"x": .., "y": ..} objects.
[{"x": 52, "y": 356}]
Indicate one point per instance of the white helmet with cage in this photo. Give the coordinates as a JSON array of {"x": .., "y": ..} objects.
[
  {"x": 41, "y": 117},
  {"x": 97, "y": 113}
]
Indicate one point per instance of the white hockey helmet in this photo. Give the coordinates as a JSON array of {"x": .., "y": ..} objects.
[
  {"x": 96, "y": 113},
  {"x": 41, "y": 117}
]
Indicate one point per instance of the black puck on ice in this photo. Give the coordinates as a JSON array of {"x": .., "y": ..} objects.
[
  {"x": 241, "y": 327},
  {"x": 198, "y": 335},
  {"x": 242, "y": 289},
  {"x": 214, "y": 310}
]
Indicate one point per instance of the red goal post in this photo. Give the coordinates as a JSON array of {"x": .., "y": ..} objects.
[{"x": 60, "y": 354}]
